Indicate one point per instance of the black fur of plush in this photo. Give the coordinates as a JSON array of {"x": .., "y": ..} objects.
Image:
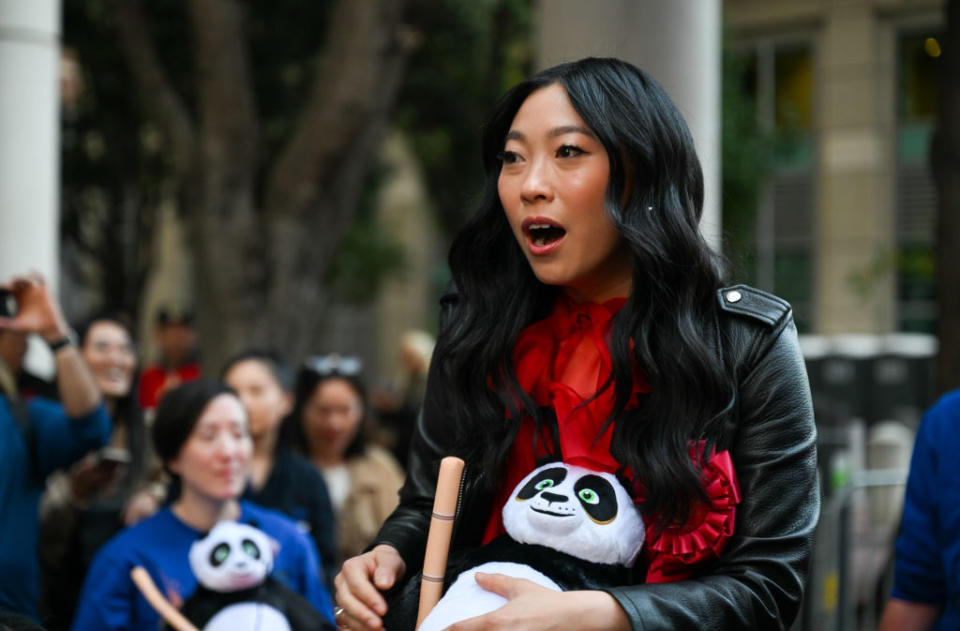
[
  {"x": 566, "y": 571},
  {"x": 205, "y": 603}
]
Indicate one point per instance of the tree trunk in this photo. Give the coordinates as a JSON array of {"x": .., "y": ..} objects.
[
  {"x": 262, "y": 249},
  {"x": 945, "y": 160}
]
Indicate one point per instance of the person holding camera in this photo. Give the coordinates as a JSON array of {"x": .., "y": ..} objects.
[{"x": 39, "y": 436}]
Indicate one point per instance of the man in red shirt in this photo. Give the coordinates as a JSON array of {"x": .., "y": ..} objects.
[{"x": 178, "y": 362}]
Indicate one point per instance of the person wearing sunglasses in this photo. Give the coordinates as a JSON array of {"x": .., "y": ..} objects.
[
  {"x": 328, "y": 425},
  {"x": 279, "y": 478}
]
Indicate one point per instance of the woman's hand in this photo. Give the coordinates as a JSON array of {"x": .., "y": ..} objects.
[
  {"x": 534, "y": 607},
  {"x": 37, "y": 309},
  {"x": 359, "y": 584}
]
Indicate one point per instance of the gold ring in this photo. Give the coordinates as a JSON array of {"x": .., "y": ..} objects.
[{"x": 337, "y": 613}]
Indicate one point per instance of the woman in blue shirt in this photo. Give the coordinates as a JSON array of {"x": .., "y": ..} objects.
[{"x": 202, "y": 437}]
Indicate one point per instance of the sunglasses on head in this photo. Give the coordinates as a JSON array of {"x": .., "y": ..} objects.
[{"x": 334, "y": 364}]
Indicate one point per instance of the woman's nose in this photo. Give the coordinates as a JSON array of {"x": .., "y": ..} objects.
[
  {"x": 536, "y": 183},
  {"x": 229, "y": 446}
]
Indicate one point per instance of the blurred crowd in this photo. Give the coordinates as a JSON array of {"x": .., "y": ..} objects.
[{"x": 125, "y": 463}]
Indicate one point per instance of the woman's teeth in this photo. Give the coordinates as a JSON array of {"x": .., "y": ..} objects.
[{"x": 543, "y": 233}]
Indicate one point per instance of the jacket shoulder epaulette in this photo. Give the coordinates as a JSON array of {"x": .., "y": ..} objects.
[{"x": 753, "y": 302}]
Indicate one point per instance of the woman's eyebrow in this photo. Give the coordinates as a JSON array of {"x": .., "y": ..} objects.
[
  {"x": 515, "y": 134},
  {"x": 571, "y": 129}
]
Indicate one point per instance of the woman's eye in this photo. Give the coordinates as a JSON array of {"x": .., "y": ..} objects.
[
  {"x": 589, "y": 496},
  {"x": 509, "y": 157},
  {"x": 569, "y": 151},
  {"x": 544, "y": 484}
]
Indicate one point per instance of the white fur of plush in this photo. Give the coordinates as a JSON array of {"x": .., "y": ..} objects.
[
  {"x": 465, "y": 599},
  {"x": 239, "y": 570},
  {"x": 617, "y": 542},
  {"x": 248, "y": 617}
]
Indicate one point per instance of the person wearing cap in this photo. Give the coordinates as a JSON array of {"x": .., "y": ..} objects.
[
  {"x": 178, "y": 361},
  {"x": 38, "y": 437}
]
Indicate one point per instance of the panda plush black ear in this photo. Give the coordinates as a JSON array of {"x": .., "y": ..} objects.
[{"x": 545, "y": 460}]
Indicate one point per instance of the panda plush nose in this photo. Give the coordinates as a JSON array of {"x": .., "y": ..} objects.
[{"x": 553, "y": 498}]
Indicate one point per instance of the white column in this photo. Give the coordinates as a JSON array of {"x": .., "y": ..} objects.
[
  {"x": 29, "y": 136},
  {"x": 30, "y": 147},
  {"x": 676, "y": 41}
]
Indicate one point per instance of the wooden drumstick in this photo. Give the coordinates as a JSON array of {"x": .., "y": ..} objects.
[
  {"x": 438, "y": 539},
  {"x": 141, "y": 578}
]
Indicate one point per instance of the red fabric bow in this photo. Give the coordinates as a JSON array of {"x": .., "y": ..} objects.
[{"x": 562, "y": 361}]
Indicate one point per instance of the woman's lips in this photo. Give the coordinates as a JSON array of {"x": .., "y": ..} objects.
[{"x": 544, "y": 235}]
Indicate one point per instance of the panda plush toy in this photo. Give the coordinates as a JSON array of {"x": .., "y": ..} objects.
[
  {"x": 235, "y": 591},
  {"x": 567, "y": 528}
]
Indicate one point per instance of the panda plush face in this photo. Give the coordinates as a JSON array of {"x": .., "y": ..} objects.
[
  {"x": 232, "y": 557},
  {"x": 584, "y": 513}
]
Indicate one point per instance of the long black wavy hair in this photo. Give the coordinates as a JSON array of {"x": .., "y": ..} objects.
[{"x": 655, "y": 199}]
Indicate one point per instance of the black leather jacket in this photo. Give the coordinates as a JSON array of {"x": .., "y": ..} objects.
[{"x": 758, "y": 582}]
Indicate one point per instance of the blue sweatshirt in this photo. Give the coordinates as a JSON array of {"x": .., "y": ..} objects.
[
  {"x": 927, "y": 565},
  {"x": 58, "y": 441}
]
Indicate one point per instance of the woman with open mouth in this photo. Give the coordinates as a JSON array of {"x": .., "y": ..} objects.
[{"x": 590, "y": 321}]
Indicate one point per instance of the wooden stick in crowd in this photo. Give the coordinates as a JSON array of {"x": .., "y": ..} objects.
[
  {"x": 438, "y": 539},
  {"x": 149, "y": 590}
]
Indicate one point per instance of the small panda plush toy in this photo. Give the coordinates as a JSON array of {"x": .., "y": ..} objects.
[
  {"x": 567, "y": 528},
  {"x": 235, "y": 591}
]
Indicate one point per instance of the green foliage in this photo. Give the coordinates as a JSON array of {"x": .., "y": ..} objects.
[
  {"x": 368, "y": 255},
  {"x": 913, "y": 265}
]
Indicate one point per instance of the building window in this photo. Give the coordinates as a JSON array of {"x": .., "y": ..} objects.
[
  {"x": 776, "y": 84},
  {"x": 916, "y": 212}
]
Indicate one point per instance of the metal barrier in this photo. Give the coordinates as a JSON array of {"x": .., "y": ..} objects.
[{"x": 831, "y": 604}]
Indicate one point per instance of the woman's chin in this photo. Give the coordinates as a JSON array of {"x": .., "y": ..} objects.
[{"x": 114, "y": 390}]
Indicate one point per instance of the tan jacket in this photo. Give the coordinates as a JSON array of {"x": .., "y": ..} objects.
[{"x": 375, "y": 480}]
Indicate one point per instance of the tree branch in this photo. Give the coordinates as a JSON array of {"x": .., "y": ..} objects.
[
  {"x": 228, "y": 118},
  {"x": 158, "y": 95},
  {"x": 356, "y": 77}
]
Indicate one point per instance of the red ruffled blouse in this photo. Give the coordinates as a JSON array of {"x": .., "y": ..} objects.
[{"x": 562, "y": 361}]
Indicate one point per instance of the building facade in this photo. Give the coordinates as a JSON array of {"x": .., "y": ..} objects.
[{"x": 845, "y": 225}]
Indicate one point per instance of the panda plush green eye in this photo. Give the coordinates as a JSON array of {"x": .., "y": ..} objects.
[
  {"x": 219, "y": 554},
  {"x": 251, "y": 549},
  {"x": 589, "y": 496},
  {"x": 544, "y": 479}
]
